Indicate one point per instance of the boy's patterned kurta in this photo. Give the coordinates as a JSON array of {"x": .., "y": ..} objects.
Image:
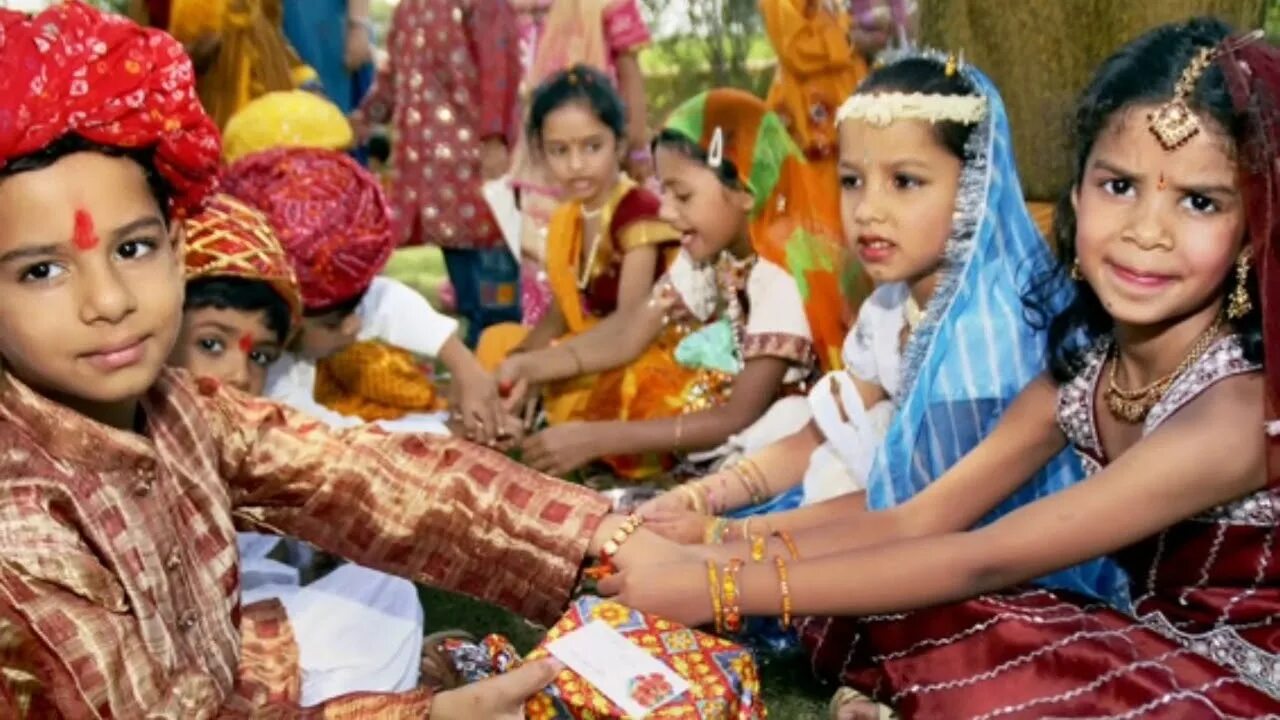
[{"x": 119, "y": 590}]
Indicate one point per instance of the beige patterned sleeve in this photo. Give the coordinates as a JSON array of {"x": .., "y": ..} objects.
[{"x": 434, "y": 509}]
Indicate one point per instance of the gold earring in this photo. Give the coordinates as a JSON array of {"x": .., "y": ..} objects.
[
  {"x": 1075, "y": 271},
  {"x": 1241, "y": 303}
]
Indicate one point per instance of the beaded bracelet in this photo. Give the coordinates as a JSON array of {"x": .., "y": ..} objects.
[
  {"x": 732, "y": 610},
  {"x": 784, "y": 585},
  {"x": 611, "y": 547},
  {"x": 717, "y": 608}
]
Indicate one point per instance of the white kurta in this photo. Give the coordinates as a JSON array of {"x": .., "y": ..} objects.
[
  {"x": 393, "y": 313},
  {"x": 872, "y": 353}
]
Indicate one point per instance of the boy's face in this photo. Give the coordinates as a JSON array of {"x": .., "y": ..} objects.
[
  {"x": 233, "y": 346},
  {"x": 328, "y": 334},
  {"x": 91, "y": 282}
]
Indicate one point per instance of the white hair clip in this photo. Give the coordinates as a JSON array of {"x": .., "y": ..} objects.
[{"x": 715, "y": 151}]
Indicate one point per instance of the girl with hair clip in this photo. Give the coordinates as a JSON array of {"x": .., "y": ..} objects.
[
  {"x": 1158, "y": 384},
  {"x": 755, "y": 269}
]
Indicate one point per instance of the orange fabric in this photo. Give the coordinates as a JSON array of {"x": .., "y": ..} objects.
[
  {"x": 1042, "y": 213},
  {"x": 372, "y": 380}
]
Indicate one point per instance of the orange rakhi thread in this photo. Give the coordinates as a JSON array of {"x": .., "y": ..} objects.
[{"x": 85, "y": 236}]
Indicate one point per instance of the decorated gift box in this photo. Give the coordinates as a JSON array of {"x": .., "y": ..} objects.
[{"x": 722, "y": 678}]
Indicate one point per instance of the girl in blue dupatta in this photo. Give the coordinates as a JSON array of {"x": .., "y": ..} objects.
[{"x": 938, "y": 352}]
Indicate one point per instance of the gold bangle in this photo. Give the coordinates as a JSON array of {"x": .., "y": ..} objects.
[
  {"x": 784, "y": 585},
  {"x": 732, "y": 609},
  {"x": 746, "y": 484},
  {"x": 709, "y": 531},
  {"x": 695, "y": 500},
  {"x": 717, "y": 608},
  {"x": 758, "y": 548},
  {"x": 753, "y": 472},
  {"x": 746, "y": 530},
  {"x": 785, "y": 537}
]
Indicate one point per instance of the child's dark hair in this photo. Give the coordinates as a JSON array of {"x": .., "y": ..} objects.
[
  {"x": 72, "y": 143},
  {"x": 578, "y": 84},
  {"x": 676, "y": 141},
  {"x": 234, "y": 293},
  {"x": 1144, "y": 72},
  {"x": 927, "y": 76}
]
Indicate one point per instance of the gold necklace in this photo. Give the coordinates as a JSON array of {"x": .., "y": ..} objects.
[{"x": 1133, "y": 406}]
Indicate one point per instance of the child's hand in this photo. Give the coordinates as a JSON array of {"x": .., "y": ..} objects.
[
  {"x": 480, "y": 407},
  {"x": 562, "y": 449},
  {"x": 501, "y": 697},
  {"x": 671, "y": 501},
  {"x": 683, "y": 526},
  {"x": 512, "y": 386}
]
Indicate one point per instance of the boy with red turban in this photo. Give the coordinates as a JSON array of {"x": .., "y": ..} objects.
[
  {"x": 122, "y": 482},
  {"x": 353, "y": 358}
]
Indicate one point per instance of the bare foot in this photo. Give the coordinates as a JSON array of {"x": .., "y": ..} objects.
[{"x": 849, "y": 704}]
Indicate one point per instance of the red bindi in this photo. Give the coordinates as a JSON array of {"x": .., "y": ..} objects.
[
  {"x": 86, "y": 235},
  {"x": 246, "y": 343}
]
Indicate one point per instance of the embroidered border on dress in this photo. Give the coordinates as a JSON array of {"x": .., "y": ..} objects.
[
  {"x": 1224, "y": 646},
  {"x": 792, "y": 348},
  {"x": 1075, "y": 408}
]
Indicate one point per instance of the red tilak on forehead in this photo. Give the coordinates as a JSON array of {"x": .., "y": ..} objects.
[
  {"x": 246, "y": 342},
  {"x": 85, "y": 236}
]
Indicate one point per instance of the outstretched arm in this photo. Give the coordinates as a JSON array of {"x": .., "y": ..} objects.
[{"x": 1197, "y": 460}]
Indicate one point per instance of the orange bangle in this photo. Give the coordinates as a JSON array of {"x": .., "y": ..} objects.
[
  {"x": 785, "y": 537},
  {"x": 784, "y": 584},
  {"x": 717, "y": 609},
  {"x": 732, "y": 610}
]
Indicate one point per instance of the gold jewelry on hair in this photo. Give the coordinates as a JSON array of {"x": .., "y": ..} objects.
[
  {"x": 1174, "y": 124},
  {"x": 1133, "y": 406},
  {"x": 952, "y": 65},
  {"x": 1241, "y": 303},
  {"x": 1075, "y": 272}
]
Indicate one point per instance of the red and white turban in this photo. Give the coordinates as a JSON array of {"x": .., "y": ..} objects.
[{"x": 73, "y": 70}]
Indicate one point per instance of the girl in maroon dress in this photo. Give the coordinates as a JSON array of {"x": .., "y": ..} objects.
[{"x": 1169, "y": 233}]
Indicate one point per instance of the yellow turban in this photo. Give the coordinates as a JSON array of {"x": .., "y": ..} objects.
[{"x": 292, "y": 118}]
